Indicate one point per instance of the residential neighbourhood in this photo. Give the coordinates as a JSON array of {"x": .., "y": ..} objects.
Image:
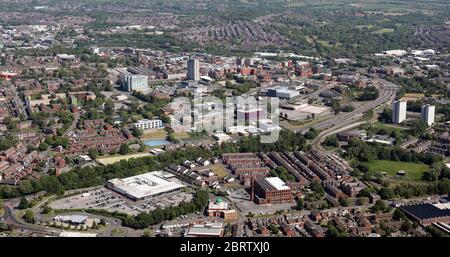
[{"x": 155, "y": 121}]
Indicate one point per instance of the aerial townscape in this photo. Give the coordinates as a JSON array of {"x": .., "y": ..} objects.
[{"x": 92, "y": 144}]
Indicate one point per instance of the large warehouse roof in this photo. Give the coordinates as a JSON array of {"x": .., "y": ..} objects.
[
  {"x": 425, "y": 211},
  {"x": 141, "y": 186}
]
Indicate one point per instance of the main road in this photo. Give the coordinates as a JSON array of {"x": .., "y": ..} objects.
[{"x": 387, "y": 92}]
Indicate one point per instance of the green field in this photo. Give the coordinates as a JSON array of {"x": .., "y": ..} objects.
[
  {"x": 388, "y": 127},
  {"x": 158, "y": 134},
  {"x": 219, "y": 170},
  {"x": 384, "y": 30},
  {"x": 113, "y": 159},
  {"x": 413, "y": 170},
  {"x": 181, "y": 135}
]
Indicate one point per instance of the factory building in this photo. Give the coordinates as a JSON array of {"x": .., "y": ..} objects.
[
  {"x": 270, "y": 191},
  {"x": 282, "y": 92},
  {"x": 426, "y": 213}
]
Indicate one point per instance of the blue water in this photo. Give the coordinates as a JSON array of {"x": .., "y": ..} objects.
[{"x": 156, "y": 142}]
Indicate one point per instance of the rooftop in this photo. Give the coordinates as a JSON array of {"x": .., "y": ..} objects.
[
  {"x": 148, "y": 184},
  {"x": 425, "y": 211}
]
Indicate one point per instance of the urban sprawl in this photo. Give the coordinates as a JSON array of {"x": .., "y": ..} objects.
[{"x": 89, "y": 145}]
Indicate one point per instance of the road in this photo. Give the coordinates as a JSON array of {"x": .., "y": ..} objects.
[
  {"x": 76, "y": 117},
  {"x": 387, "y": 94},
  {"x": 18, "y": 224}
]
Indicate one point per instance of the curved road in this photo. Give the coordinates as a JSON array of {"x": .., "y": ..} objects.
[
  {"x": 387, "y": 92},
  {"x": 9, "y": 216}
]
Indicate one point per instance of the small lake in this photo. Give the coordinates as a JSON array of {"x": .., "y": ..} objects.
[{"x": 156, "y": 142}]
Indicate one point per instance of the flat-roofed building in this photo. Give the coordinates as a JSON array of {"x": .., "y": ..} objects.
[
  {"x": 426, "y": 213},
  {"x": 146, "y": 124},
  {"x": 219, "y": 208},
  {"x": 214, "y": 229},
  {"x": 76, "y": 234},
  {"x": 135, "y": 82},
  {"x": 144, "y": 185},
  {"x": 271, "y": 190}
]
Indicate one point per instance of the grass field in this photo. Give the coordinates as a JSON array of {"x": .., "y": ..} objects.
[
  {"x": 365, "y": 26},
  {"x": 388, "y": 127},
  {"x": 413, "y": 170},
  {"x": 181, "y": 135},
  {"x": 384, "y": 30},
  {"x": 113, "y": 159},
  {"x": 117, "y": 232},
  {"x": 159, "y": 134},
  {"x": 219, "y": 170}
]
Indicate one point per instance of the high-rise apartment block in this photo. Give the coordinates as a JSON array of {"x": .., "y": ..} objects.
[
  {"x": 399, "y": 112},
  {"x": 428, "y": 112},
  {"x": 135, "y": 82},
  {"x": 193, "y": 72}
]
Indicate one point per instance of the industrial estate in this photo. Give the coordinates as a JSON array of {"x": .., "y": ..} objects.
[{"x": 90, "y": 146}]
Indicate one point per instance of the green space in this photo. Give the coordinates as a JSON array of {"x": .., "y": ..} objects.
[
  {"x": 219, "y": 170},
  {"x": 384, "y": 30},
  {"x": 388, "y": 127},
  {"x": 365, "y": 26},
  {"x": 159, "y": 134},
  {"x": 117, "y": 232},
  {"x": 114, "y": 159},
  {"x": 413, "y": 170},
  {"x": 181, "y": 135}
]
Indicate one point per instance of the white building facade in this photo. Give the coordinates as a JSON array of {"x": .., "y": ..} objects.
[
  {"x": 428, "y": 112},
  {"x": 146, "y": 124},
  {"x": 135, "y": 82},
  {"x": 399, "y": 112}
]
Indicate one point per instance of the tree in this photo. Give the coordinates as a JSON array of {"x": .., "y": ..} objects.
[
  {"x": 137, "y": 132},
  {"x": 300, "y": 204},
  {"x": 418, "y": 127},
  {"x": 386, "y": 193},
  {"x": 378, "y": 206},
  {"x": 345, "y": 202},
  {"x": 311, "y": 134},
  {"x": 29, "y": 217},
  {"x": 317, "y": 187},
  {"x": 273, "y": 229},
  {"x": 124, "y": 149},
  {"x": 362, "y": 201},
  {"x": 148, "y": 233},
  {"x": 93, "y": 153},
  {"x": 46, "y": 209},
  {"x": 24, "y": 203},
  {"x": 43, "y": 146},
  {"x": 332, "y": 141},
  {"x": 109, "y": 107}
]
